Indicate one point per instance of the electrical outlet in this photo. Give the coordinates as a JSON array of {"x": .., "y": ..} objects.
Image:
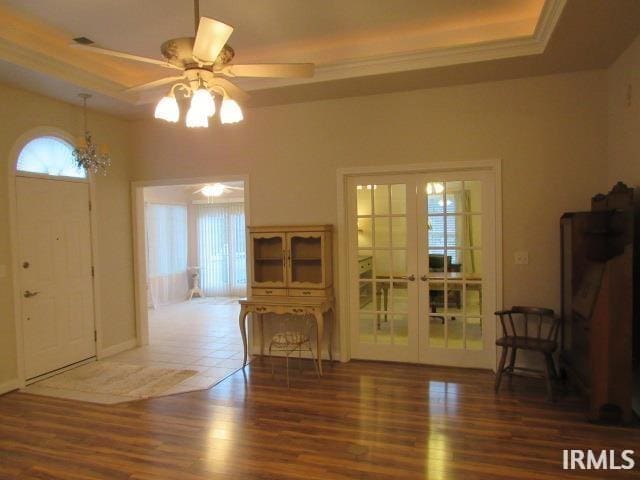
[{"x": 521, "y": 257}]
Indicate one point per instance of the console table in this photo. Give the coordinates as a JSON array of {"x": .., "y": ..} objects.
[{"x": 317, "y": 307}]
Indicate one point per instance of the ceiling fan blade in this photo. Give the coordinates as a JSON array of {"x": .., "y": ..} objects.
[
  {"x": 155, "y": 83},
  {"x": 211, "y": 37},
  {"x": 127, "y": 56},
  {"x": 232, "y": 90},
  {"x": 276, "y": 70}
]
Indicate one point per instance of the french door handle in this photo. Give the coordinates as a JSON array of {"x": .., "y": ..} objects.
[
  {"x": 28, "y": 294},
  {"x": 424, "y": 278},
  {"x": 411, "y": 277}
]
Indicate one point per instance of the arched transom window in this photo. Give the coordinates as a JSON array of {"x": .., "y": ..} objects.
[{"x": 49, "y": 156}]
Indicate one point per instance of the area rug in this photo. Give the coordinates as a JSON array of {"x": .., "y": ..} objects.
[{"x": 110, "y": 382}]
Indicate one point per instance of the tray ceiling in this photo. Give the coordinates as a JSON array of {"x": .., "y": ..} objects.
[{"x": 349, "y": 41}]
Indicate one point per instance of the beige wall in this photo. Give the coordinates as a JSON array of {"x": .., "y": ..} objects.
[
  {"x": 550, "y": 133},
  {"x": 22, "y": 111},
  {"x": 624, "y": 117}
]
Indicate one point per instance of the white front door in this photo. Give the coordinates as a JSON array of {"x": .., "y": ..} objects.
[
  {"x": 54, "y": 264},
  {"x": 422, "y": 263}
]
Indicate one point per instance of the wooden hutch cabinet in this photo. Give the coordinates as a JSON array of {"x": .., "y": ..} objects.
[
  {"x": 291, "y": 261},
  {"x": 291, "y": 274}
]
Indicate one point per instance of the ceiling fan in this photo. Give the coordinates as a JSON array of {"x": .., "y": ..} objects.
[
  {"x": 203, "y": 63},
  {"x": 216, "y": 189}
]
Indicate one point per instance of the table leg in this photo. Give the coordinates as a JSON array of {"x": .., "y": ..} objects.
[
  {"x": 243, "y": 332},
  {"x": 330, "y": 327},
  {"x": 261, "y": 322},
  {"x": 319, "y": 334}
]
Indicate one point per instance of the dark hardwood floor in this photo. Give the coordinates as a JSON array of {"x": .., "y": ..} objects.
[{"x": 363, "y": 420}]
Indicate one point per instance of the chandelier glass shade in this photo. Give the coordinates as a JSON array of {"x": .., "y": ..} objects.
[
  {"x": 88, "y": 155},
  {"x": 167, "y": 109},
  {"x": 201, "y": 107},
  {"x": 230, "y": 111}
]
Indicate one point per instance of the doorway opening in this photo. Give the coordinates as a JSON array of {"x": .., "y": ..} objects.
[{"x": 192, "y": 244}]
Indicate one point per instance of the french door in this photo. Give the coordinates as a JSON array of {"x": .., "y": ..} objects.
[{"x": 422, "y": 263}]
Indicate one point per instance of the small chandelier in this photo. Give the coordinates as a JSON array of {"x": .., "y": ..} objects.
[
  {"x": 202, "y": 105},
  {"x": 87, "y": 154}
]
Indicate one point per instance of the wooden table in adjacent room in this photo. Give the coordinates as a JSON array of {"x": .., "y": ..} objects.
[{"x": 317, "y": 307}]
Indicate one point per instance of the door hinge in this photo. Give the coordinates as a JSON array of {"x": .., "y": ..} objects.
[
  {"x": 95, "y": 335},
  {"x": 89, "y": 205},
  {"x": 93, "y": 271}
]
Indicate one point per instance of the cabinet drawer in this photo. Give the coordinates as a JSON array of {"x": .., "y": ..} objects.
[
  {"x": 269, "y": 292},
  {"x": 306, "y": 292}
]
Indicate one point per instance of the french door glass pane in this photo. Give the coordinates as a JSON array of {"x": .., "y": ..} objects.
[
  {"x": 399, "y": 232},
  {"x": 436, "y": 331},
  {"x": 454, "y": 217},
  {"x": 363, "y": 199},
  {"x": 455, "y": 332},
  {"x": 364, "y": 232},
  {"x": 382, "y": 259},
  {"x": 473, "y": 331},
  {"x": 399, "y": 199},
  {"x": 381, "y": 200},
  {"x": 473, "y": 299},
  {"x": 401, "y": 329},
  {"x": 381, "y": 225}
]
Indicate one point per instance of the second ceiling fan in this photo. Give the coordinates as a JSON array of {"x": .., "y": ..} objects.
[{"x": 203, "y": 62}]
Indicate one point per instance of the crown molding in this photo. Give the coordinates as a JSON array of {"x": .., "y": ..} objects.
[
  {"x": 92, "y": 73},
  {"x": 442, "y": 57},
  {"x": 24, "y": 57}
]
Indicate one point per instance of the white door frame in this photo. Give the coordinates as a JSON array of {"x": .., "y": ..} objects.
[
  {"x": 139, "y": 242},
  {"x": 490, "y": 165},
  {"x": 12, "y": 172}
]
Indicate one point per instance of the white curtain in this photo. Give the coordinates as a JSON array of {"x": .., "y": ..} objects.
[
  {"x": 222, "y": 249},
  {"x": 167, "y": 252}
]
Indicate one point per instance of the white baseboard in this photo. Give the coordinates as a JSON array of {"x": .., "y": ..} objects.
[
  {"x": 9, "y": 386},
  {"x": 115, "y": 349}
]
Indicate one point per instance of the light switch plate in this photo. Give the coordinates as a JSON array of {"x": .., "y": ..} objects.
[{"x": 521, "y": 257}]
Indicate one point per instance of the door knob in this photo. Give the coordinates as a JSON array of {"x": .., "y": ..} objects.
[
  {"x": 424, "y": 278},
  {"x": 28, "y": 294}
]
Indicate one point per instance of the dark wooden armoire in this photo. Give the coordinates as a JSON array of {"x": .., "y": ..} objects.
[{"x": 601, "y": 303}]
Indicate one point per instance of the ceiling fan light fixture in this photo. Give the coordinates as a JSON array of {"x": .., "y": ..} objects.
[
  {"x": 167, "y": 109},
  {"x": 214, "y": 190},
  {"x": 196, "y": 118},
  {"x": 202, "y": 101},
  {"x": 230, "y": 111}
]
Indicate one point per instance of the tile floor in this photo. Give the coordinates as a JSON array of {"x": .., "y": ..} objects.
[{"x": 200, "y": 335}]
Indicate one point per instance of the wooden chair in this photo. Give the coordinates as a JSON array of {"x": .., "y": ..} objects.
[{"x": 528, "y": 328}]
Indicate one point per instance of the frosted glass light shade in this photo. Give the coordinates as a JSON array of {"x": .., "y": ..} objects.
[
  {"x": 230, "y": 111},
  {"x": 202, "y": 101},
  {"x": 167, "y": 109},
  {"x": 196, "y": 119}
]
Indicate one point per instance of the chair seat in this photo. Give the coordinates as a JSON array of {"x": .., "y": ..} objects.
[
  {"x": 527, "y": 343},
  {"x": 289, "y": 338}
]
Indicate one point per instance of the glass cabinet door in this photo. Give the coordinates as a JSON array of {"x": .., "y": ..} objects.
[
  {"x": 305, "y": 259},
  {"x": 268, "y": 260}
]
